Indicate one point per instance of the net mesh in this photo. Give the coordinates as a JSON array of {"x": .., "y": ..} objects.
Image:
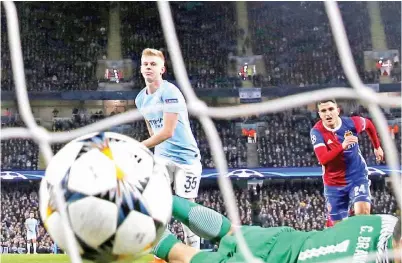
[{"x": 199, "y": 109}]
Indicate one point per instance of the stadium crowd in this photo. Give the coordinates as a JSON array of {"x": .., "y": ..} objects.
[
  {"x": 303, "y": 52},
  {"x": 63, "y": 42},
  {"x": 284, "y": 142},
  {"x": 295, "y": 203},
  {"x": 17, "y": 201}
]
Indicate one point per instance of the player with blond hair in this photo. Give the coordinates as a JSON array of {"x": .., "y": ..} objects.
[{"x": 170, "y": 131}]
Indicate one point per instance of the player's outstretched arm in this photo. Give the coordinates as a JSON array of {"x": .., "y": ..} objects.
[{"x": 203, "y": 221}]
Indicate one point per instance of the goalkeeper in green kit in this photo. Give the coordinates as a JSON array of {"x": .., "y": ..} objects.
[{"x": 357, "y": 236}]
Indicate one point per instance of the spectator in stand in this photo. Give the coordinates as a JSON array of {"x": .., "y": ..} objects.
[{"x": 63, "y": 42}]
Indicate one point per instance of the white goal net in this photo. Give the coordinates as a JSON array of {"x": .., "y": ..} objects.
[{"x": 197, "y": 108}]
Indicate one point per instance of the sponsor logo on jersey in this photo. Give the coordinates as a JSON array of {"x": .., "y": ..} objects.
[
  {"x": 171, "y": 101},
  {"x": 329, "y": 141},
  {"x": 323, "y": 251},
  {"x": 349, "y": 133},
  {"x": 157, "y": 123}
]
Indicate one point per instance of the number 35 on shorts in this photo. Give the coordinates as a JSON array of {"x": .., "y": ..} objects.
[{"x": 187, "y": 181}]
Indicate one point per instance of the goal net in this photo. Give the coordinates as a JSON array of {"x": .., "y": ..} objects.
[{"x": 199, "y": 109}]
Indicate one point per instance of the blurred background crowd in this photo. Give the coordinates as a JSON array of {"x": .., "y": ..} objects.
[
  {"x": 62, "y": 41},
  {"x": 283, "y": 142}
]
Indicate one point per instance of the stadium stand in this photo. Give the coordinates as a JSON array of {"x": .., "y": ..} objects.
[
  {"x": 285, "y": 142},
  {"x": 62, "y": 43},
  {"x": 205, "y": 47},
  {"x": 299, "y": 204},
  {"x": 17, "y": 201},
  {"x": 390, "y": 11}
]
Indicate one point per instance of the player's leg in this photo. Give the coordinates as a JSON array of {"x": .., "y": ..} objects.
[
  {"x": 34, "y": 245},
  {"x": 186, "y": 184},
  {"x": 203, "y": 221},
  {"x": 337, "y": 201},
  {"x": 190, "y": 238},
  {"x": 171, "y": 168},
  {"x": 328, "y": 222},
  {"x": 361, "y": 197},
  {"x": 28, "y": 244},
  {"x": 180, "y": 176},
  {"x": 182, "y": 253}
]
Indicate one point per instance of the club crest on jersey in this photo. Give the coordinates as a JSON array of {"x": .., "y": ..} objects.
[
  {"x": 348, "y": 133},
  {"x": 171, "y": 101}
]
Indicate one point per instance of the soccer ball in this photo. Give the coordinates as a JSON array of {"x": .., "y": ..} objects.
[{"x": 118, "y": 198}]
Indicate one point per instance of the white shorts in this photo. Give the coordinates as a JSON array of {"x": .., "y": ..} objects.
[
  {"x": 186, "y": 178},
  {"x": 31, "y": 235}
]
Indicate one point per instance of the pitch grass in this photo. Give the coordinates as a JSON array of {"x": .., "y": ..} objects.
[{"x": 50, "y": 258}]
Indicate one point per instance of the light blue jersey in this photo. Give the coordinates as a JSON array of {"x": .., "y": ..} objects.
[
  {"x": 31, "y": 224},
  {"x": 182, "y": 146}
]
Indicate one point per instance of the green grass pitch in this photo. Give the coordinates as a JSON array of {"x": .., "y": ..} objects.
[{"x": 50, "y": 258}]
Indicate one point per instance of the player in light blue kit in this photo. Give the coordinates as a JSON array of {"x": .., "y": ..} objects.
[
  {"x": 170, "y": 131},
  {"x": 31, "y": 225}
]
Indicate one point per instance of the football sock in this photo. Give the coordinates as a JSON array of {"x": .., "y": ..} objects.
[
  {"x": 191, "y": 239},
  {"x": 165, "y": 244},
  {"x": 34, "y": 247},
  {"x": 29, "y": 248},
  {"x": 204, "y": 222}
]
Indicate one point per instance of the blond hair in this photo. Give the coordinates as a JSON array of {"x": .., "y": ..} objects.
[{"x": 153, "y": 52}]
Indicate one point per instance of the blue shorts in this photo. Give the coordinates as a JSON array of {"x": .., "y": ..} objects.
[{"x": 339, "y": 199}]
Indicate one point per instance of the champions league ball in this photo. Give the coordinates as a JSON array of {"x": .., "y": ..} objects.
[{"x": 118, "y": 199}]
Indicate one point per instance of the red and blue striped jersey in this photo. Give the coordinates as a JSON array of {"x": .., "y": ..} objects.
[{"x": 342, "y": 166}]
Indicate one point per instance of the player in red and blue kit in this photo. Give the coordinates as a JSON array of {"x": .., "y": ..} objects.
[{"x": 345, "y": 172}]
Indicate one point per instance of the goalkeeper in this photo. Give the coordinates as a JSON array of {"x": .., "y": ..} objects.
[{"x": 356, "y": 236}]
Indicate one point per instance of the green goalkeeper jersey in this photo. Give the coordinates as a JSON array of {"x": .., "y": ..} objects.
[{"x": 356, "y": 237}]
